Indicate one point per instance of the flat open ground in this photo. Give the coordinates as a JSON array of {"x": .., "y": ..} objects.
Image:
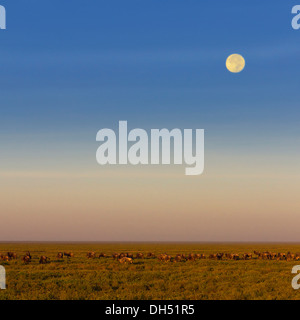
[{"x": 105, "y": 278}]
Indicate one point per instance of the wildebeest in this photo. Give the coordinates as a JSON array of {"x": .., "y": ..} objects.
[
  {"x": 219, "y": 256},
  {"x": 115, "y": 256},
  {"x": 151, "y": 255},
  {"x": 182, "y": 256},
  {"x": 281, "y": 256},
  {"x": 60, "y": 255},
  {"x": 178, "y": 258},
  {"x": 102, "y": 255},
  {"x": 69, "y": 254},
  {"x": 247, "y": 256},
  {"x": 12, "y": 255},
  {"x": 290, "y": 256},
  {"x": 26, "y": 259},
  {"x": 272, "y": 255},
  {"x": 44, "y": 260},
  {"x": 263, "y": 255},
  {"x": 191, "y": 257},
  {"x": 91, "y": 255},
  {"x": 232, "y": 256},
  {"x": 164, "y": 257},
  {"x": 139, "y": 255},
  {"x": 125, "y": 260},
  {"x": 4, "y": 257}
]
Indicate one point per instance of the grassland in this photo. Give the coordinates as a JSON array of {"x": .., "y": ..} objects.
[{"x": 105, "y": 278}]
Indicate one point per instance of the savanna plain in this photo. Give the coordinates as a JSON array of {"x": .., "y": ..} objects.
[{"x": 82, "y": 278}]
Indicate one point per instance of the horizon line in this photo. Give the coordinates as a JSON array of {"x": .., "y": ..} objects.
[{"x": 150, "y": 242}]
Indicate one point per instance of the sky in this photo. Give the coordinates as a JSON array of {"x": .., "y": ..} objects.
[{"x": 68, "y": 70}]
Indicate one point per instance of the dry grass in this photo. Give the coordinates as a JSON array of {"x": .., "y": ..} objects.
[{"x": 82, "y": 278}]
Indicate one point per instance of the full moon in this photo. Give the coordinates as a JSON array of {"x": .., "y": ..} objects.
[{"x": 235, "y": 63}]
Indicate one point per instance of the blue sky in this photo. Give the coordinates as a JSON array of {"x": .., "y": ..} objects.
[
  {"x": 73, "y": 69},
  {"x": 103, "y": 61},
  {"x": 70, "y": 68}
]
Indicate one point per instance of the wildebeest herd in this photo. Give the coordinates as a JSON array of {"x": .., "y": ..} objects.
[
  {"x": 127, "y": 257},
  {"x": 27, "y": 258}
]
